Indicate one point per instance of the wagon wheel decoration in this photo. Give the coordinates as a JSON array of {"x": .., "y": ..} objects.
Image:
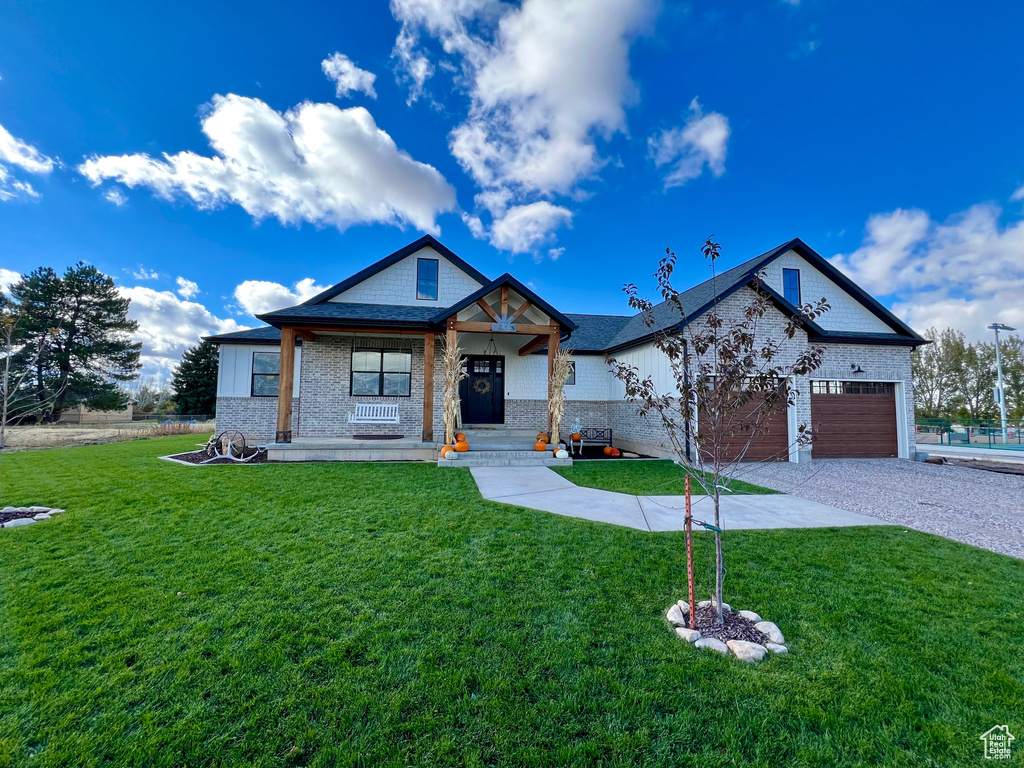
[
  {"x": 229, "y": 444},
  {"x": 482, "y": 386}
]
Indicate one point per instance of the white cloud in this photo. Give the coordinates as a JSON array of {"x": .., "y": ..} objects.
[
  {"x": 116, "y": 196},
  {"x": 525, "y": 227},
  {"x": 347, "y": 76},
  {"x": 8, "y": 278},
  {"x": 546, "y": 79},
  {"x": 1018, "y": 193},
  {"x": 145, "y": 274},
  {"x": 259, "y": 296},
  {"x": 966, "y": 272},
  {"x": 684, "y": 152},
  {"x": 20, "y": 154},
  {"x": 186, "y": 288},
  {"x": 169, "y": 325},
  {"x": 315, "y": 163},
  {"x": 555, "y": 253}
]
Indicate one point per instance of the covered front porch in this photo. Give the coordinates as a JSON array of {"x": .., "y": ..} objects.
[{"x": 501, "y": 332}]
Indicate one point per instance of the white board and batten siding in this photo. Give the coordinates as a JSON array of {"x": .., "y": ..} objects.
[
  {"x": 846, "y": 313},
  {"x": 234, "y": 376},
  {"x": 397, "y": 284}
]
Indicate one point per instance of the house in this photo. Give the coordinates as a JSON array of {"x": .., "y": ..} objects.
[{"x": 294, "y": 383}]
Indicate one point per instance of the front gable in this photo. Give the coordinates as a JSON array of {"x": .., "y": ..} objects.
[
  {"x": 846, "y": 314},
  {"x": 393, "y": 279}
]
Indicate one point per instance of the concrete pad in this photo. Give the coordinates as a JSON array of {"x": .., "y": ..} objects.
[
  {"x": 540, "y": 488},
  {"x": 495, "y": 482}
]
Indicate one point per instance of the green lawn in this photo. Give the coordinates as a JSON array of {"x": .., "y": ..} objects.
[
  {"x": 642, "y": 478},
  {"x": 329, "y": 614}
]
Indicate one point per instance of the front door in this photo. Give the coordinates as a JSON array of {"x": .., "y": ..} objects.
[{"x": 483, "y": 391}]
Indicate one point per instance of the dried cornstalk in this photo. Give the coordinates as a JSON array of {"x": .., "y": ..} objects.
[
  {"x": 452, "y": 373},
  {"x": 560, "y": 369}
]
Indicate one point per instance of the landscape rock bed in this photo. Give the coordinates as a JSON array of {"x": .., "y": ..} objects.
[
  {"x": 15, "y": 517},
  {"x": 204, "y": 456},
  {"x": 742, "y": 633}
]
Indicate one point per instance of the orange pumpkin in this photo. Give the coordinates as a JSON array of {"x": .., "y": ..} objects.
[
  {"x": 445, "y": 450},
  {"x": 607, "y": 450},
  {"x": 542, "y": 437},
  {"x": 577, "y": 436},
  {"x": 540, "y": 446},
  {"x": 462, "y": 446},
  {"x": 615, "y": 453},
  {"x": 460, "y": 437}
]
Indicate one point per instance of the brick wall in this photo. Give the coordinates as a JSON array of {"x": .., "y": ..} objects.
[
  {"x": 326, "y": 399},
  {"x": 254, "y": 417}
]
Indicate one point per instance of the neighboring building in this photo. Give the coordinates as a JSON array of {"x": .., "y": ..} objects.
[
  {"x": 371, "y": 339},
  {"x": 79, "y": 414}
]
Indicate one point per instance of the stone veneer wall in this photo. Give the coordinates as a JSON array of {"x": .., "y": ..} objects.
[{"x": 254, "y": 417}]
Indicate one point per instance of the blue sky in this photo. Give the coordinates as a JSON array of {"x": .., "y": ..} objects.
[{"x": 220, "y": 160}]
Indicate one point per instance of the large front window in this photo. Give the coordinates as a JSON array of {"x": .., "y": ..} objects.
[
  {"x": 381, "y": 372},
  {"x": 266, "y": 369}
]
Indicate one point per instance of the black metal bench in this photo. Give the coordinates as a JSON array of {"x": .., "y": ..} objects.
[{"x": 592, "y": 435}]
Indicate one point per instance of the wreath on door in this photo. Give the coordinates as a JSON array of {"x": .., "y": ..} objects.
[{"x": 482, "y": 386}]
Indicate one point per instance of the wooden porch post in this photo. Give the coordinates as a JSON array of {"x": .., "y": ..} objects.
[
  {"x": 284, "y": 385},
  {"x": 428, "y": 387},
  {"x": 553, "y": 342}
]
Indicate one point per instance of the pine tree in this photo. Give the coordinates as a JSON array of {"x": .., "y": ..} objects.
[
  {"x": 91, "y": 350},
  {"x": 195, "y": 380}
]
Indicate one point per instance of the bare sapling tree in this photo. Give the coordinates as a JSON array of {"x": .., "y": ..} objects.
[
  {"x": 560, "y": 369},
  {"x": 734, "y": 365},
  {"x": 19, "y": 400}
]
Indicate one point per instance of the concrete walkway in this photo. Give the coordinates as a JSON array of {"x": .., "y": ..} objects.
[{"x": 540, "y": 488}]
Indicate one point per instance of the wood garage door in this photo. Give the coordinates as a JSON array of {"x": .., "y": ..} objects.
[
  {"x": 772, "y": 444},
  {"x": 853, "y": 420}
]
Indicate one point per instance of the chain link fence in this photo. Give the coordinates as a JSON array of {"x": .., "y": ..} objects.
[{"x": 976, "y": 433}]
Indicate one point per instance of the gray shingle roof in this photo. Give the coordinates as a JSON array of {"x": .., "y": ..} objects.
[
  {"x": 593, "y": 332},
  {"x": 361, "y": 313},
  {"x": 692, "y": 299},
  {"x": 266, "y": 333}
]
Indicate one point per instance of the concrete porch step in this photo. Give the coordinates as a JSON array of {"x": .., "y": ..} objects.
[
  {"x": 480, "y": 453},
  {"x": 467, "y": 460},
  {"x": 501, "y": 445}
]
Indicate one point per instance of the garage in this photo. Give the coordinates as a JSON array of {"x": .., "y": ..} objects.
[
  {"x": 854, "y": 420},
  {"x": 772, "y": 444}
]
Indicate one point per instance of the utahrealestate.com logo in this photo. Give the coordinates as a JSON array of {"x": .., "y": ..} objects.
[{"x": 997, "y": 742}]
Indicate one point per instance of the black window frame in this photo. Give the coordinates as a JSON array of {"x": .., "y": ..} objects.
[
  {"x": 437, "y": 279},
  {"x": 570, "y": 380},
  {"x": 253, "y": 374},
  {"x": 380, "y": 372},
  {"x": 785, "y": 291}
]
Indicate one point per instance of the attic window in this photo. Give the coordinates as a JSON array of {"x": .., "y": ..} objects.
[
  {"x": 426, "y": 279},
  {"x": 791, "y": 286}
]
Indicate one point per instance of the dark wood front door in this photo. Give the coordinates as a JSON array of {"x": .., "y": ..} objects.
[{"x": 483, "y": 391}]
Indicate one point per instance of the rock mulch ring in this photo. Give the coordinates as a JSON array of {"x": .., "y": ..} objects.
[
  {"x": 15, "y": 517},
  {"x": 250, "y": 454},
  {"x": 743, "y": 633}
]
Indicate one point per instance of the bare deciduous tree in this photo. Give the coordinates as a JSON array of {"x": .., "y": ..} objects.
[
  {"x": 733, "y": 367},
  {"x": 18, "y": 398}
]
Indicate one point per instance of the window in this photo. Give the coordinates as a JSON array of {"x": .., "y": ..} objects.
[
  {"x": 426, "y": 279},
  {"x": 852, "y": 388},
  {"x": 266, "y": 367},
  {"x": 381, "y": 372},
  {"x": 571, "y": 378},
  {"x": 791, "y": 286}
]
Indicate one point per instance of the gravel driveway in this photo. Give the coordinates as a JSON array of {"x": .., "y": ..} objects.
[{"x": 985, "y": 509}]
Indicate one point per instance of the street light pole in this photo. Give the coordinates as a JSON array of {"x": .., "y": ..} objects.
[{"x": 997, "y": 327}]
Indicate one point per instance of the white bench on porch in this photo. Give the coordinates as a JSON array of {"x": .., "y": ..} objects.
[{"x": 374, "y": 413}]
